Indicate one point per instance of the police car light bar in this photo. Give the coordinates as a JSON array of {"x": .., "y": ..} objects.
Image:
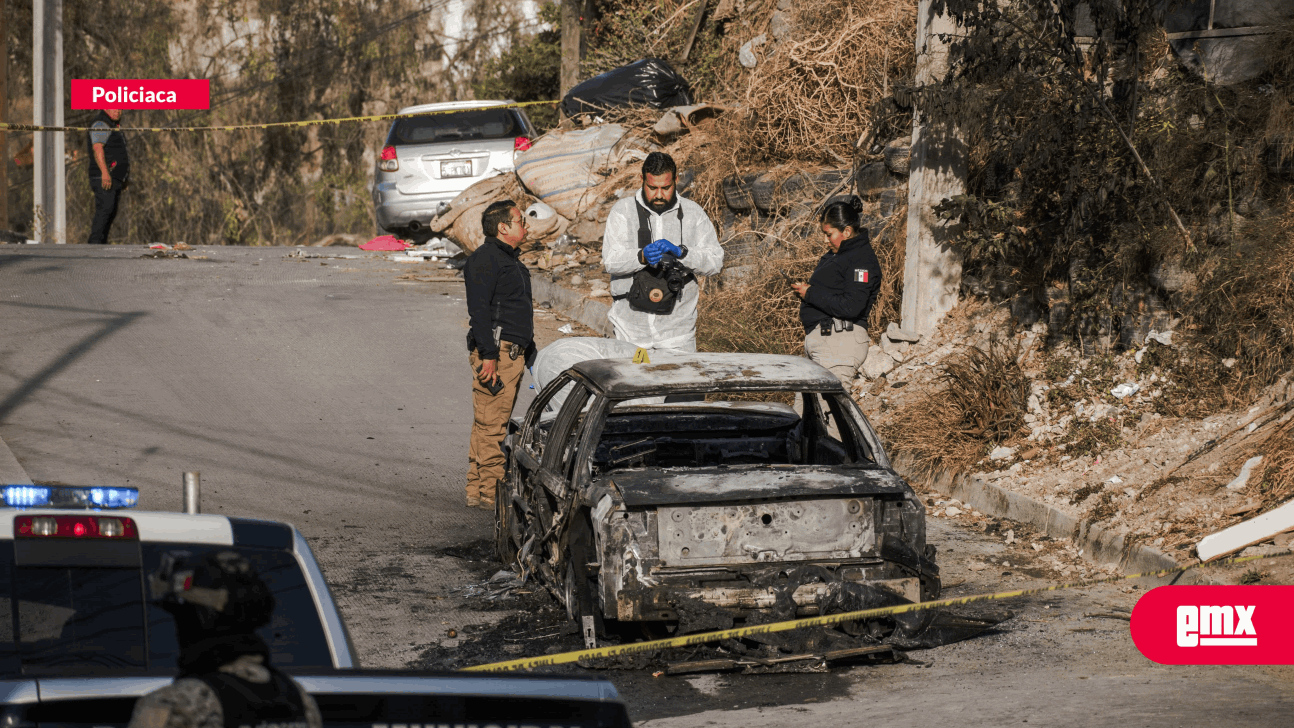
[{"x": 45, "y": 496}]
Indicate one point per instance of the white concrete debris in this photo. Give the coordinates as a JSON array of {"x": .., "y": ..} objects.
[
  {"x": 746, "y": 55},
  {"x": 894, "y": 333},
  {"x": 951, "y": 511},
  {"x": 1247, "y": 533},
  {"x": 1002, "y": 452},
  {"x": 1242, "y": 479}
]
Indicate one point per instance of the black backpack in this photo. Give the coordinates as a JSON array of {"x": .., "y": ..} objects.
[{"x": 650, "y": 292}]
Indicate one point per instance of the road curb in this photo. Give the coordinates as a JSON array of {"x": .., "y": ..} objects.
[
  {"x": 1100, "y": 545},
  {"x": 572, "y": 304},
  {"x": 11, "y": 472}
]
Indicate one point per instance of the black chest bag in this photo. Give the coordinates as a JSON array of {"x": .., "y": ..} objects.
[{"x": 650, "y": 292}]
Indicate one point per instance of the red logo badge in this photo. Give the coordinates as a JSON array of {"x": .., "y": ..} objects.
[{"x": 1215, "y": 625}]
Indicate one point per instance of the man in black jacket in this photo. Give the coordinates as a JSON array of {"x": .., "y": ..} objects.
[
  {"x": 501, "y": 339},
  {"x": 109, "y": 169}
]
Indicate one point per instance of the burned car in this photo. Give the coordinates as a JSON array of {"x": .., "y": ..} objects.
[{"x": 710, "y": 480}]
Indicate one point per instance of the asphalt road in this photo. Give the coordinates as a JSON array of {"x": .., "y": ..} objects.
[{"x": 331, "y": 394}]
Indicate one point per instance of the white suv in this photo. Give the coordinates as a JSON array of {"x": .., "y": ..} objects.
[{"x": 428, "y": 160}]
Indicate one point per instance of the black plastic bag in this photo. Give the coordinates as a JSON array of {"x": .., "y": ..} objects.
[{"x": 649, "y": 82}]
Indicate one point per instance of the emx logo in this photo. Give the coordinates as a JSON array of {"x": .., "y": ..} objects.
[{"x": 1215, "y": 625}]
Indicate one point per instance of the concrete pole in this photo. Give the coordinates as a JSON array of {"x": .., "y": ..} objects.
[
  {"x": 50, "y": 184},
  {"x": 192, "y": 492},
  {"x": 932, "y": 273},
  {"x": 4, "y": 115}
]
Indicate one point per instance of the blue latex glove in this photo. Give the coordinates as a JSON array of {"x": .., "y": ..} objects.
[{"x": 658, "y": 248}]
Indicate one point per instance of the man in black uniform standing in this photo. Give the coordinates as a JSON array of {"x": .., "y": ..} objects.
[
  {"x": 500, "y": 342},
  {"x": 225, "y": 679},
  {"x": 109, "y": 170}
]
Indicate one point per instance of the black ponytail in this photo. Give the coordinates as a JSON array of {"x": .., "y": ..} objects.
[{"x": 842, "y": 212}]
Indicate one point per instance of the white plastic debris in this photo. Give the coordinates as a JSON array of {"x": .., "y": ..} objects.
[
  {"x": 1126, "y": 389},
  {"x": 1242, "y": 479},
  {"x": 566, "y": 329},
  {"x": 1115, "y": 480},
  {"x": 1162, "y": 337},
  {"x": 1002, "y": 452},
  {"x": 1228, "y": 363},
  {"x": 540, "y": 211}
]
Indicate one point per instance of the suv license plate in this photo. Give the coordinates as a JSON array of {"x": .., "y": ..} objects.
[{"x": 461, "y": 168}]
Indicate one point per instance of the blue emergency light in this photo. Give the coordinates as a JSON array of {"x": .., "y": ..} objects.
[{"x": 44, "y": 496}]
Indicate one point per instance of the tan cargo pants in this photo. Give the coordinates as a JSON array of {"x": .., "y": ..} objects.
[
  {"x": 842, "y": 353},
  {"x": 490, "y": 414}
]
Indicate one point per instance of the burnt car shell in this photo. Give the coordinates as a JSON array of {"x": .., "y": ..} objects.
[{"x": 627, "y": 503}]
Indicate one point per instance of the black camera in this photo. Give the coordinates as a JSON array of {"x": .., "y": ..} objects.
[{"x": 675, "y": 273}]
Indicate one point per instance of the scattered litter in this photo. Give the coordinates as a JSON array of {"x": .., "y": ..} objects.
[
  {"x": 304, "y": 254},
  {"x": 1010, "y": 535},
  {"x": 159, "y": 246},
  {"x": 385, "y": 242},
  {"x": 1115, "y": 480},
  {"x": 1228, "y": 362},
  {"x": 566, "y": 329},
  {"x": 164, "y": 253},
  {"x": 1125, "y": 390},
  {"x": 1246, "y": 470}
]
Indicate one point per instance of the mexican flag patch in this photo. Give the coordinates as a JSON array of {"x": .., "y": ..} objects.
[{"x": 860, "y": 275}]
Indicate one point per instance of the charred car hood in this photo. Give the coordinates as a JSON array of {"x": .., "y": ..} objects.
[{"x": 651, "y": 487}]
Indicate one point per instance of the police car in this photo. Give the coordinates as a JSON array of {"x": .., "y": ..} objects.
[{"x": 80, "y": 639}]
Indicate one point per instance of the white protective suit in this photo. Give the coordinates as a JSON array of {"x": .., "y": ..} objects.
[{"x": 677, "y": 331}]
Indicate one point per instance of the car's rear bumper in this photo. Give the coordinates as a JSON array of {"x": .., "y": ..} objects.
[
  {"x": 394, "y": 209},
  {"x": 647, "y": 604}
]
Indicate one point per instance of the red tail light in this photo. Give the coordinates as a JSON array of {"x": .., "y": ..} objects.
[
  {"x": 75, "y": 527},
  {"x": 521, "y": 144},
  {"x": 389, "y": 163}
]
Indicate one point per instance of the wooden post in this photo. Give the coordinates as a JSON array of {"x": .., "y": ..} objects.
[
  {"x": 933, "y": 269},
  {"x": 571, "y": 34}
]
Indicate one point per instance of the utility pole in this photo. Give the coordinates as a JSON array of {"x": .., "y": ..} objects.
[
  {"x": 4, "y": 115},
  {"x": 932, "y": 271},
  {"x": 50, "y": 184},
  {"x": 571, "y": 36}
]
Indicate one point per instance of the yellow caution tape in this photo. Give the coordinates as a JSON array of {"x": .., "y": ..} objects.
[
  {"x": 640, "y": 356},
  {"x": 238, "y": 127},
  {"x": 699, "y": 639}
]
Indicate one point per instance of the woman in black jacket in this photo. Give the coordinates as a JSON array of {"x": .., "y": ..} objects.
[{"x": 839, "y": 294}]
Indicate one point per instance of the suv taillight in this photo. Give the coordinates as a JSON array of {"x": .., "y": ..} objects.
[
  {"x": 389, "y": 163},
  {"x": 74, "y": 527},
  {"x": 521, "y": 144}
]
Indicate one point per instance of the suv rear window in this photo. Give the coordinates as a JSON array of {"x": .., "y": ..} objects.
[
  {"x": 57, "y": 619},
  {"x": 476, "y": 124}
]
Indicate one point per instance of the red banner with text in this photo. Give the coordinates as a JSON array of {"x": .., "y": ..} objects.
[
  {"x": 1216, "y": 625},
  {"x": 137, "y": 93}
]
